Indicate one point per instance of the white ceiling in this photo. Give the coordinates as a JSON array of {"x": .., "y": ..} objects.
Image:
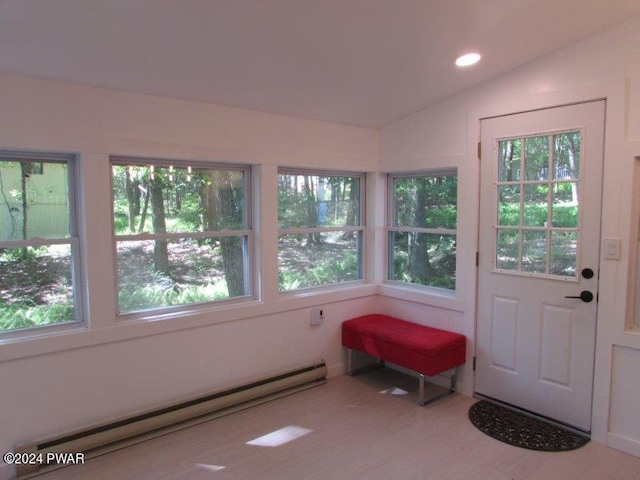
[{"x": 357, "y": 62}]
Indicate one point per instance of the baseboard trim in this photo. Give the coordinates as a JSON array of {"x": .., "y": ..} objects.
[{"x": 624, "y": 444}]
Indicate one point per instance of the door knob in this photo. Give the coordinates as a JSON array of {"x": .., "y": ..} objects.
[
  {"x": 585, "y": 295},
  {"x": 587, "y": 273}
]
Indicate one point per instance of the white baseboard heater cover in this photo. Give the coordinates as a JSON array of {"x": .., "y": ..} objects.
[{"x": 112, "y": 436}]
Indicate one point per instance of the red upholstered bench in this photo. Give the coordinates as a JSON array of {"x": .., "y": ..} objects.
[{"x": 428, "y": 351}]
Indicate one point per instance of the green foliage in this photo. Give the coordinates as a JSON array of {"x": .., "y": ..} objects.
[
  {"x": 564, "y": 216},
  {"x": 441, "y": 252},
  {"x": 308, "y": 201},
  {"x": 29, "y": 314},
  {"x": 289, "y": 280},
  {"x": 145, "y": 297},
  {"x": 120, "y": 223},
  {"x": 23, "y": 253},
  {"x": 187, "y": 193},
  {"x": 316, "y": 264},
  {"x": 428, "y": 201}
]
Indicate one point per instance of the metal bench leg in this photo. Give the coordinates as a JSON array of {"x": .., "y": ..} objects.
[
  {"x": 421, "y": 381},
  {"x": 421, "y": 389},
  {"x": 454, "y": 376},
  {"x": 349, "y": 362}
]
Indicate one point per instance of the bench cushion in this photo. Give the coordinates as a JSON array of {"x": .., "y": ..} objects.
[{"x": 426, "y": 350}]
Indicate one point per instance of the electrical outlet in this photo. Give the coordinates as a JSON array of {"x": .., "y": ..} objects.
[{"x": 317, "y": 315}]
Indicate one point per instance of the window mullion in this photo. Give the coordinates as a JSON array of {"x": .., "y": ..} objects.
[
  {"x": 302, "y": 230},
  {"x": 179, "y": 235}
]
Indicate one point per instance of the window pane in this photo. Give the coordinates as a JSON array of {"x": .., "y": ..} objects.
[
  {"x": 309, "y": 201},
  {"x": 566, "y": 156},
  {"x": 34, "y": 200},
  {"x": 509, "y": 205},
  {"x": 536, "y": 205},
  {"x": 534, "y": 251},
  {"x": 316, "y": 259},
  {"x": 159, "y": 273},
  {"x": 509, "y": 160},
  {"x": 426, "y": 201},
  {"x": 177, "y": 199},
  {"x": 537, "y": 158},
  {"x": 507, "y": 249},
  {"x": 565, "y": 205},
  {"x": 36, "y": 286},
  {"x": 423, "y": 259},
  {"x": 564, "y": 252}
]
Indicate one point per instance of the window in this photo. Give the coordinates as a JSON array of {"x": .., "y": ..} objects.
[
  {"x": 422, "y": 220},
  {"x": 182, "y": 233},
  {"x": 39, "y": 247},
  {"x": 538, "y": 204},
  {"x": 320, "y": 229}
]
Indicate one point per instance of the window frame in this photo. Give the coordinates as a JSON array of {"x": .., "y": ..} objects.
[
  {"x": 391, "y": 228},
  {"x": 360, "y": 229},
  {"x": 247, "y": 232},
  {"x": 73, "y": 240}
]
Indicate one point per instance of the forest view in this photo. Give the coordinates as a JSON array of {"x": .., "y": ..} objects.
[
  {"x": 319, "y": 220},
  {"x": 182, "y": 234},
  {"x": 422, "y": 238}
]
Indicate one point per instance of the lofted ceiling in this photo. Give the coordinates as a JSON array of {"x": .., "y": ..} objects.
[{"x": 358, "y": 62}]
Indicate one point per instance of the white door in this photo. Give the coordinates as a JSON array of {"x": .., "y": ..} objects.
[{"x": 540, "y": 202}]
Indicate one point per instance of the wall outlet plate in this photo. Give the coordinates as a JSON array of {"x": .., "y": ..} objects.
[
  {"x": 317, "y": 315},
  {"x": 612, "y": 248}
]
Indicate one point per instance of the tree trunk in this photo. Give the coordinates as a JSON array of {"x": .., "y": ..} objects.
[
  {"x": 508, "y": 160},
  {"x": 354, "y": 205},
  {"x": 220, "y": 204},
  {"x": 160, "y": 247},
  {"x": 133, "y": 199},
  {"x": 572, "y": 166},
  {"x": 145, "y": 209},
  {"x": 311, "y": 208},
  {"x": 25, "y": 172},
  {"x": 419, "y": 265}
]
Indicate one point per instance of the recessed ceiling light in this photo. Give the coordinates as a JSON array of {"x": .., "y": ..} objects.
[{"x": 468, "y": 59}]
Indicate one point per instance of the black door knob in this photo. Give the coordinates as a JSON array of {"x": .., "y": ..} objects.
[
  {"x": 585, "y": 295},
  {"x": 587, "y": 273}
]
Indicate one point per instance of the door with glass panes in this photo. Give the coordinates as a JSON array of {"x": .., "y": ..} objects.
[{"x": 540, "y": 204}]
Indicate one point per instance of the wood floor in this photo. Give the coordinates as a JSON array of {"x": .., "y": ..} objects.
[{"x": 360, "y": 427}]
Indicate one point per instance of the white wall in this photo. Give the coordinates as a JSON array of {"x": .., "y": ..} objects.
[
  {"x": 57, "y": 383},
  {"x": 604, "y": 66}
]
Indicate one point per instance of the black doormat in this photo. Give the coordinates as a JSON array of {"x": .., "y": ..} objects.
[{"x": 521, "y": 430}]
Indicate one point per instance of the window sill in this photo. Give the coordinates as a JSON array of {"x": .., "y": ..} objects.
[
  {"x": 39, "y": 343},
  {"x": 424, "y": 295}
]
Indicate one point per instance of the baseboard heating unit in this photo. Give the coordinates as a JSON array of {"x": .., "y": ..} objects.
[{"x": 105, "y": 438}]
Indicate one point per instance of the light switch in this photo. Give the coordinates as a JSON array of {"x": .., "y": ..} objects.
[{"x": 612, "y": 248}]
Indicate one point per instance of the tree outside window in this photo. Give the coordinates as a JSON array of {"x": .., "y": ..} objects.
[
  {"x": 39, "y": 249},
  {"x": 182, "y": 233},
  {"x": 320, "y": 229},
  {"x": 422, "y": 228}
]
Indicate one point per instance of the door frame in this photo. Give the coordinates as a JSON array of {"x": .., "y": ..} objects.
[{"x": 612, "y": 300}]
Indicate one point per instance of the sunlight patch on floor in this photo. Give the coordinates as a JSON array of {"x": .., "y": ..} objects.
[
  {"x": 280, "y": 437},
  {"x": 394, "y": 391},
  {"x": 211, "y": 468}
]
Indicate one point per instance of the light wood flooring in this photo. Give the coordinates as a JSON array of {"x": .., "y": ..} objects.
[{"x": 351, "y": 428}]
